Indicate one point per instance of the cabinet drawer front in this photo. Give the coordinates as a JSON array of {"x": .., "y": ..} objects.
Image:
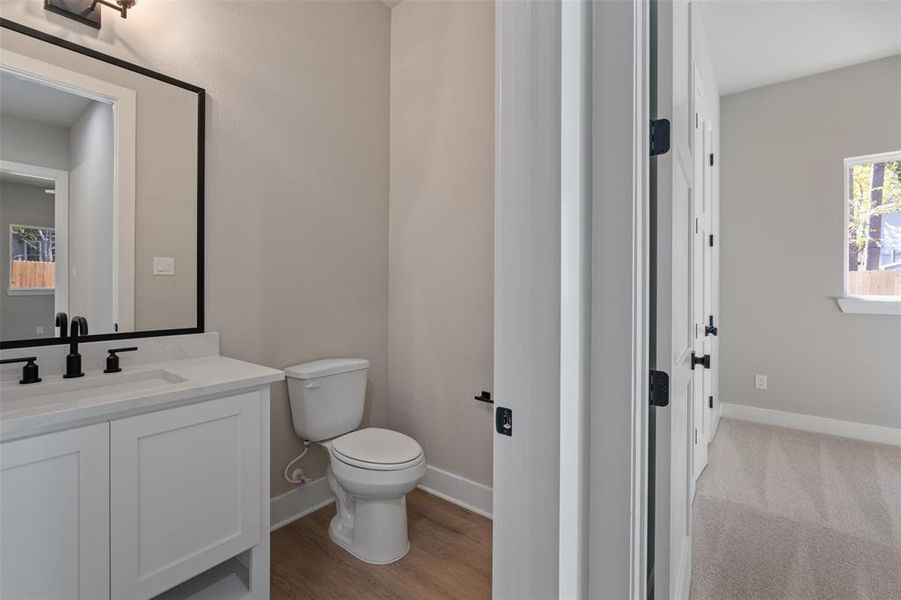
[
  {"x": 185, "y": 492},
  {"x": 54, "y": 515}
]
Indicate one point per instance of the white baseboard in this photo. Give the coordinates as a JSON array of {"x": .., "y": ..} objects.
[
  {"x": 857, "y": 431},
  {"x": 299, "y": 502},
  {"x": 468, "y": 494}
]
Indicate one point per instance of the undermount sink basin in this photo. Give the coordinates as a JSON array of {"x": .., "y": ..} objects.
[{"x": 95, "y": 385}]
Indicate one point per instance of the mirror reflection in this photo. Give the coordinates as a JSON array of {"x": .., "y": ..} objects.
[
  {"x": 99, "y": 195},
  {"x": 56, "y": 173}
]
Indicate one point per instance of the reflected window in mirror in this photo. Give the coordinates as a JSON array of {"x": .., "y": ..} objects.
[{"x": 32, "y": 259}]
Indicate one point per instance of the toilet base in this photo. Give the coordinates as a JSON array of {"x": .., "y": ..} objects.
[
  {"x": 372, "y": 529},
  {"x": 346, "y": 542}
]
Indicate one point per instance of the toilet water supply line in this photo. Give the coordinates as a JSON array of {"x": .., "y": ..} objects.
[{"x": 297, "y": 475}]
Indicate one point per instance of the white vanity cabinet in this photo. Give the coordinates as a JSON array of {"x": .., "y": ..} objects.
[
  {"x": 184, "y": 492},
  {"x": 54, "y": 515},
  {"x": 150, "y": 501}
]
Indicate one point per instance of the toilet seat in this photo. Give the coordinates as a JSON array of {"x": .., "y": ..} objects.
[{"x": 376, "y": 449}]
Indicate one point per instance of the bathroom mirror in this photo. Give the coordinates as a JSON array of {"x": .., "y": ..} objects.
[{"x": 101, "y": 194}]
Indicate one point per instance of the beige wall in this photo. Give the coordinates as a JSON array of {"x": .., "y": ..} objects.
[
  {"x": 296, "y": 175},
  {"x": 782, "y": 247},
  {"x": 442, "y": 230}
]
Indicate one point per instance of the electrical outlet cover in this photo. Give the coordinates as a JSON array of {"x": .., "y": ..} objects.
[
  {"x": 760, "y": 382},
  {"x": 163, "y": 265}
]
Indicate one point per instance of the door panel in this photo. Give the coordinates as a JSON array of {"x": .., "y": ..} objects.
[
  {"x": 185, "y": 492},
  {"x": 699, "y": 247},
  {"x": 675, "y": 319},
  {"x": 708, "y": 283},
  {"x": 54, "y": 515}
]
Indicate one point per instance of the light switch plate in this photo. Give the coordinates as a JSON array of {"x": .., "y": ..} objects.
[
  {"x": 760, "y": 382},
  {"x": 163, "y": 265}
]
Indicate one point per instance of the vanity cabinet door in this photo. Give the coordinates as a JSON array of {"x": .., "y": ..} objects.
[
  {"x": 54, "y": 515},
  {"x": 185, "y": 492}
]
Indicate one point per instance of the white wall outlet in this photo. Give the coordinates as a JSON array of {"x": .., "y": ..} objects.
[
  {"x": 40, "y": 330},
  {"x": 760, "y": 382},
  {"x": 163, "y": 265}
]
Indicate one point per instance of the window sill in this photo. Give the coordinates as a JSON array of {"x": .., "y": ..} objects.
[
  {"x": 31, "y": 292},
  {"x": 870, "y": 305}
]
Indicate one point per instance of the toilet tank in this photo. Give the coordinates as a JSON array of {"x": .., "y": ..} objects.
[{"x": 327, "y": 396}]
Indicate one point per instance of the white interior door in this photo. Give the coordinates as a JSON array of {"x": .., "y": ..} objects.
[
  {"x": 709, "y": 324},
  {"x": 700, "y": 283},
  {"x": 674, "y": 322}
]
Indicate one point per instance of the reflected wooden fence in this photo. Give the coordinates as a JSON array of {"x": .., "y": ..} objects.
[
  {"x": 30, "y": 274},
  {"x": 874, "y": 283}
]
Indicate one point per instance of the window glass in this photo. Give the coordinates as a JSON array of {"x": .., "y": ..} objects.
[
  {"x": 874, "y": 227},
  {"x": 32, "y": 257}
]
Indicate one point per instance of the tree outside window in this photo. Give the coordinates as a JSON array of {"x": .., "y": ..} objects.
[
  {"x": 874, "y": 226},
  {"x": 32, "y": 257}
]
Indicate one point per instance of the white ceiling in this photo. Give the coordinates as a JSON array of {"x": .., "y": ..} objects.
[
  {"x": 754, "y": 43},
  {"x": 36, "y": 102}
]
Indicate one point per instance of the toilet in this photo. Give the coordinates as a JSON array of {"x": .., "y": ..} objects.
[{"x": 370, "y": 471}]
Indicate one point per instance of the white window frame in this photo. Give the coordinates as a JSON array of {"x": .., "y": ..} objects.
[
  {"x": 45, "y": 291},
  {"x": 865, "y": 305}
]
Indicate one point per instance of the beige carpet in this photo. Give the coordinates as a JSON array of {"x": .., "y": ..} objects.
[{"x": 781, "y": 513}]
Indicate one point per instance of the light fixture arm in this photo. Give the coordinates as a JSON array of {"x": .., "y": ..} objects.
[{"x": 120, "y": 5}]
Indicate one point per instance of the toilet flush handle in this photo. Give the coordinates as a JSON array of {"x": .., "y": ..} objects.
[{"x": 313, "y": 385}]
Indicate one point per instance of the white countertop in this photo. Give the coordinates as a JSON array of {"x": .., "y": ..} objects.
[{"x": 56, "y": 403}]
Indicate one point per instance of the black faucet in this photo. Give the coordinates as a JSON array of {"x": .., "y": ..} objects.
[
  {"x": 73, "y": 359},
  {"x": 62, "y": 321},
  {"x": 30, "y": 372}
]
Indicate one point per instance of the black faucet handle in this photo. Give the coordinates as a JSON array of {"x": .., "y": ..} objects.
[
  {"x": 112, "y": 361},
  {"x": 30, "y": 372}
]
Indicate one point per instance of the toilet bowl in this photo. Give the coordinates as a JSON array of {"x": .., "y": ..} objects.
[
  {"x": 370, "y": 490},
  {"x": 370, "y": 470}
]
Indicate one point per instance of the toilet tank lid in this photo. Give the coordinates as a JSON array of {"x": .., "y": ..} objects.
[{"x": 327, "y": 366}]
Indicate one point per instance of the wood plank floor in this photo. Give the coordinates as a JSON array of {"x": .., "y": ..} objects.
[{"x": 450, "y": 557}]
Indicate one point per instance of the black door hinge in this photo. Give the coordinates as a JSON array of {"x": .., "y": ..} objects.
[
  {"x": 711, "y": 240},
  {"x": 503, "y": 420},
  {"x": 700, "y": 360},
  {"x": 711, "y": 159},
  {"x": 658, "y": 388},
  {"x": 710, "y": 402},
  {"x": 711, "y": 329},
  {"x": 659, "y": 136}
]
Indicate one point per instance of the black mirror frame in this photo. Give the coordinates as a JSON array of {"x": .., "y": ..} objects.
[{"x": 201, "y": 105}]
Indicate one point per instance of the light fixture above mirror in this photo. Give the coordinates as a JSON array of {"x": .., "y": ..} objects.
[{"x": 87, "y": 11}]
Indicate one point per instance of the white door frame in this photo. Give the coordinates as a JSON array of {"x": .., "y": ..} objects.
[
  {"x": 571, "y": 304},
  {"x": 674, "y": 318},
  {"x": 620, "y": 302},
  {"x": 527, "y": 332},
  {"x": 124, "y": 103},
  {"x": 60, "y": 180}
]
